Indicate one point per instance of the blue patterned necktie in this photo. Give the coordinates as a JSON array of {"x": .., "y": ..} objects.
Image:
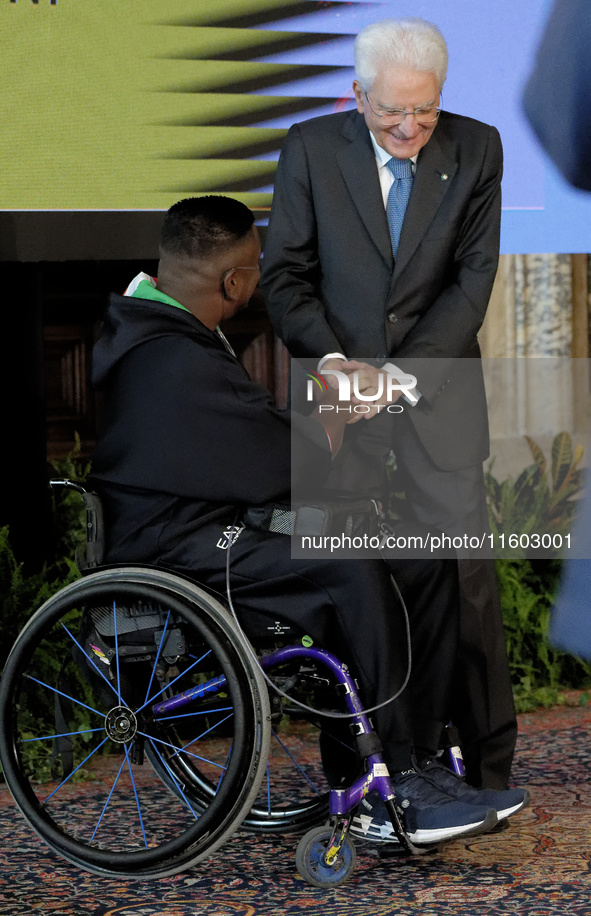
[{"x": 398, "y": 198}]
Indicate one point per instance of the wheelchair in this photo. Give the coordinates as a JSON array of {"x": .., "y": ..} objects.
[{"x": 137, "y": 723}]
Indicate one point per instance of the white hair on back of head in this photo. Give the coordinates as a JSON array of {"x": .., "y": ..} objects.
[{"x": 412, "y": 43}]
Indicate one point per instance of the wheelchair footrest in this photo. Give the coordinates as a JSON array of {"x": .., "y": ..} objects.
[{"x": 395, "y": 851}]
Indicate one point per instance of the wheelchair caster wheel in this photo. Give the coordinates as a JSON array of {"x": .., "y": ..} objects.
[{"x": 311, "y": 864}]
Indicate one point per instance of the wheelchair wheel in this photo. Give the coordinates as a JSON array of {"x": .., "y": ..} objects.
[
  {"x": 311, "y": 863},
  {"x": 123, "y": 665},
  {"x": 294, "y": 794}
]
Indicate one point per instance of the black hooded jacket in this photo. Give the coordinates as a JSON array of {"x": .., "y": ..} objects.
[{"x": 187, "y": 438}]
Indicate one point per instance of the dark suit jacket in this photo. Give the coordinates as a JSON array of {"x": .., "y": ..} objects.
[{"x": 331, "y": 284}]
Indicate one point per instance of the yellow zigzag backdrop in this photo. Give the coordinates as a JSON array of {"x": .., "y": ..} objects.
[{"x": 132, "y": 104}]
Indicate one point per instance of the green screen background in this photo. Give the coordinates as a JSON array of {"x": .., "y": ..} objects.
[{"x": 132, "y": 104}]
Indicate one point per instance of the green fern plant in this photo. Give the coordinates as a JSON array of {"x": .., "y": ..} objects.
[
  {"x": 539, "y": 672},
  {"x": 542, "y": 500},
  {"x": 21, "y": 595}
]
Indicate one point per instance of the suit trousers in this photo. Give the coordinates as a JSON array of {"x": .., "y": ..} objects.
[{"x": 482, "y": 704}]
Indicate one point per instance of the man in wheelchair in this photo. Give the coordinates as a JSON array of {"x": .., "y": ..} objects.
[{"x": 189, "y": 445}]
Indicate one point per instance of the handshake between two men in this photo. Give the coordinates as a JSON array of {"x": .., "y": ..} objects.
[{"x": 346, "y": 391}]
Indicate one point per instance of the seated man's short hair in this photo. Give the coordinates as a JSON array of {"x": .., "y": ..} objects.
[{"x": 199, "y": 226}]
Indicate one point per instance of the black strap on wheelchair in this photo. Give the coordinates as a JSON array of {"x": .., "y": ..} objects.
[
  {"x": 62, "y": 743},
  {"x": 343, "y": 514}
]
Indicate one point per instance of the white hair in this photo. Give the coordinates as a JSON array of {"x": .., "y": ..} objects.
[{"x": 412, "y": 43}]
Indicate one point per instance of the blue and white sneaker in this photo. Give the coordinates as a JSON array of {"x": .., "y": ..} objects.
[
  {"x": 504, "y": 801},
  {"x": 372, "y": 821},
  {"x": 429, "y": 815}
]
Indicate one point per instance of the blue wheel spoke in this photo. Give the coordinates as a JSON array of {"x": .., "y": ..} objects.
[
  {"x": 177, "y": 678},
  {"x": 65, "y": 695},
  {"x": 206, "y": 732},
  {"x": 74, "y": 771},
  {"x": 268, "y": 788},
  {"x": 106, "y": 805},
  {"x": 137, "y": 800},
  {"x": 182, "y": 750},
  {"x": 155, "y": 665},
  {"x": 295, "y": 763},
  {"x": 197, "y": 712},
  {"x": 174, "y": 778},
  {"x": 85, "y": 731}
]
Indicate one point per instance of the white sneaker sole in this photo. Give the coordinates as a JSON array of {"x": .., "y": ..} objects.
[
  {"x": 507, "y": 812},
  {"x": 440, "y": 834},
  {"x": 362, "y": 830}
]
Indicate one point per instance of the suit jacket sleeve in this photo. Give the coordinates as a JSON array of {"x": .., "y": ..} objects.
[{"x": 291, "y": 265}]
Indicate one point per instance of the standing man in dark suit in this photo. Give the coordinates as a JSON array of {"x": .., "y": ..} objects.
[{"x": 383, "y": 245}]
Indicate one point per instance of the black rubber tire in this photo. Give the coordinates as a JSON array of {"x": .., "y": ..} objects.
[
  {"x": 309, "y": 859},
  {"x": 47, "y": 702}
]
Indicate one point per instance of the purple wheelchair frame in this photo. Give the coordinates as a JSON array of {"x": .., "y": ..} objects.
[{"x": 343, "y": 802}]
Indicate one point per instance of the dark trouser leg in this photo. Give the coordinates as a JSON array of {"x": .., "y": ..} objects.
[
  {"x": 483, "y": 706},
  {"x": 430, "y": 592},
  {"x": 483, "y": 698}
]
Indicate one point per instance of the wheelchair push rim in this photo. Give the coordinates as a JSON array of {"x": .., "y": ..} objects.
[{"x": 81, "y": 699}]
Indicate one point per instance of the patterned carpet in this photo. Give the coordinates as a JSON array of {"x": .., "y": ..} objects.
[{"x": 539, "y": 867}]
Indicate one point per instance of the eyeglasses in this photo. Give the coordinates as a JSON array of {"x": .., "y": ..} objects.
[
  {"x": 395, "y": 116},
  {"x": 229, "y": 270}
]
